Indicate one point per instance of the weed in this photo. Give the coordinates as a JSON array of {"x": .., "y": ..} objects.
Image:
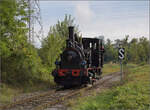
[{"x": 134, "y": 94}]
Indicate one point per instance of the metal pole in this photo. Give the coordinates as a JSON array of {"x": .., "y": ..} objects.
[{"x": 121, "y": 70}]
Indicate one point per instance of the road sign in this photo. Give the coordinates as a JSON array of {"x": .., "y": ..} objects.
[{"x": 121, "y": 53}]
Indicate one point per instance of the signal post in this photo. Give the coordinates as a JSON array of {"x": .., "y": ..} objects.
[{"x": 121, "y": 56}]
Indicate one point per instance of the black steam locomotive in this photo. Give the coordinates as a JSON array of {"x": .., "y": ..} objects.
[{"x": 81, "y": 61}]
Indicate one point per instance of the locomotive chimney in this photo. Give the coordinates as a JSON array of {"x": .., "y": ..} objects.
[{"x": 71, "y": 33}]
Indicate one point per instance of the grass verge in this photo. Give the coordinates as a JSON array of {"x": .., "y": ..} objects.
[
  {"x": 110, "y": 68},
  {"x": 134, "y": 94},
  {"x": 8, "y": 92}
]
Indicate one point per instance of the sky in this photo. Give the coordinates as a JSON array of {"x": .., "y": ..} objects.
[{"x": 112, "y": 19}]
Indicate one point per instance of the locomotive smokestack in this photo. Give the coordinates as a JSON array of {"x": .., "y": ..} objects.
[{"x": 71, "y": 33}]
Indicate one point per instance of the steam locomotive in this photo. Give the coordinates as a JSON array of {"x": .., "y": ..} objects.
[{"x": 81, "y": 61}]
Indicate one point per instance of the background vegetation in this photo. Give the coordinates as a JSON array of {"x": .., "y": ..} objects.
[
  {"x": 21, "y": 62},
  {"x": 24, "y": 65},
  {"x": 136, "y": 50}
]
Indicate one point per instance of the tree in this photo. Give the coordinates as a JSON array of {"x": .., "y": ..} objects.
[
  {"x": 133, "y": 49},
  {"x": 13, "y": 18},
  {"x": 136, "y": 51},
  {"x": 20, "y": 61},
  {"x": 110, "y": 52},
  {"x": 54, "y": 43},
  {"x": 143, "y": 49}
]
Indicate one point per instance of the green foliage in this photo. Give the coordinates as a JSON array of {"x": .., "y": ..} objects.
[
  {"x": 54, "y": 43},
  {"x": 136, "y": 51},
  {"x": 12, "y": 25},
  {"x": 23, "y": 66},
  {"x": 20, "y": 61},
  {"x": 51, "y": 49},
  {"x": 110, "y": 52},
  {"x": 61, "y": 28},
  {"x": 4, "y": 49}
]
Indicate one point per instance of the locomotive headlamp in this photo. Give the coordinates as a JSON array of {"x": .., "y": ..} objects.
[
  {"x": 57, "y": 62},
  {"x": 83, "y": 62}
]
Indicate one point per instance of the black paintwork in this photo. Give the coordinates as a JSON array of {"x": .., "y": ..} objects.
[{"x": 84, "y": 54}]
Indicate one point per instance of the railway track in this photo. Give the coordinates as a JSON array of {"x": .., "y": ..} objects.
[
  {"x": 13, "y": 104},
  {"x": 53, "y": 97}
]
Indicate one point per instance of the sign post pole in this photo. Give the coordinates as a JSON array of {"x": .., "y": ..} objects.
[
  {"x": 121, "y": 56},
  {"x": 121, "y": 70}
]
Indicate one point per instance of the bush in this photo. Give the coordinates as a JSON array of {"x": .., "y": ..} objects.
[{"x": 23, "y": 67}]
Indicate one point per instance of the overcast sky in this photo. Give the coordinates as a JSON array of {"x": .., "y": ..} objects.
[{"x": 113, "y": 19}]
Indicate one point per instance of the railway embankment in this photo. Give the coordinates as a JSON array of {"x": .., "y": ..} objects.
[
  {"x": 132, "y": 94},
  {"x": 57, "y": 97},
  {"x": 11, "y": 93},
  {"x": 107, "y": 93},
  {"x": 35, "y": 97}
]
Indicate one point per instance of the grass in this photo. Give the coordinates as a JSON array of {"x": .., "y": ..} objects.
[
  {"x": 110, "y": 68},
  {"x": 7, "y": 92},
  {"x": 133, "y": 95}
]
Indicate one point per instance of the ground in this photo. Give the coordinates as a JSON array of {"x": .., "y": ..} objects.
[
  {"x": 10, "y": 93},
  {"x": 132, "y": 94}
]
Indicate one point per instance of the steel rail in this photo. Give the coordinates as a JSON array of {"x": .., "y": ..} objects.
[
  {"x": 47, "y": 99},
  {"x": 13, "y": 104},
  {"x": 61, "y": 99}
]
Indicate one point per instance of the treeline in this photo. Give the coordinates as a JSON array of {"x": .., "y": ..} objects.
[
  {"x": 23, "y": 63},
  {"x": 20, "y": 62},
  {"x": 137, "y": 50}
]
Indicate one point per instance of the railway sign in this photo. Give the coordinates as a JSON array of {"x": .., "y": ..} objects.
[
  {"x": 121, "y": 56},
  {"x": 121, "y": 53}
]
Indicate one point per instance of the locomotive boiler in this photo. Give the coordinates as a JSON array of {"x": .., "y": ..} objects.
[{"x": 81, "y": 62}]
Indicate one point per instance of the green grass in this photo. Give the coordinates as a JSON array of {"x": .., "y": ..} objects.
[
  {"x": 7, "y": 92},
  {"x": 133, "y": 95},
  {"x": 110, "y": 68}
]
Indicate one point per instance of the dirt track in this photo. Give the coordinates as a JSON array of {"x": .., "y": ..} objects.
[{"x": 100, "y": 85}]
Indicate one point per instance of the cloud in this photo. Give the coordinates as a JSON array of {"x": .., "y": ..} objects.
[
  {"x": 83, "y": 12},
  {"x": 111, "y": 21}
]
